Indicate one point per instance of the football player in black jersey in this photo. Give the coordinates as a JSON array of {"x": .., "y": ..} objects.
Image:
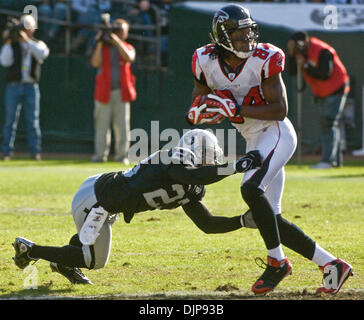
[{"x": 166, "y": 179}]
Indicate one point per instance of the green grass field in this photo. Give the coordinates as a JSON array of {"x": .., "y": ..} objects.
[{"x": 162, "y": 254}]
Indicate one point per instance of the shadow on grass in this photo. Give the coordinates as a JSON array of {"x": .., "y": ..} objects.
[
  {"x": 345, "y": 176},
  {"x": 60, "y": 162},
  {"x": 26, "y": 162},
  {"x": 42, "y": 292}
]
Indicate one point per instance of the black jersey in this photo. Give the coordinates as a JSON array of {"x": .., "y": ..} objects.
[{"x": 148, "y": 186}]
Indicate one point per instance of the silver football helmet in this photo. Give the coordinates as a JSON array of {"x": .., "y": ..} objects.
[{"x": 197, "y": 148}]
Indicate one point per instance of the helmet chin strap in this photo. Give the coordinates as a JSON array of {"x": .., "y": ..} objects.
[{"x": 239, "y": 54}]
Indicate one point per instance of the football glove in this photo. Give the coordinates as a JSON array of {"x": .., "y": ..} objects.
[
  {"x": 198, "y": 113},
  {"x": 128, "y": 216},
  {"x": 249, "y": 161},
  {"x": 220, "y": 103}
]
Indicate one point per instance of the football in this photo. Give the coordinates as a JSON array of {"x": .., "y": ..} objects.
[{"x": 198, "y": 113}]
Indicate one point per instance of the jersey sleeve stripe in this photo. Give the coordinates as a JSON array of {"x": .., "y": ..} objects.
[{"x": 194, "y": 60}]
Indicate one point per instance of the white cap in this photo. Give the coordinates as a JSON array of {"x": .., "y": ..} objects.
[{"x": 28, "y": 22}]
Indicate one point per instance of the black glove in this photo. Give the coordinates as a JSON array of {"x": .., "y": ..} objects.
[
  {"x": 247, "y": 162},
  {"x": 128, "y": 216}
]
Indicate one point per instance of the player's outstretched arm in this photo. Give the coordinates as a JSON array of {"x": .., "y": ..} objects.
[
  {"x": 199, "y": 176},
  {"x": 208, "y": 223},
  {"x": 210, "y": 174}
]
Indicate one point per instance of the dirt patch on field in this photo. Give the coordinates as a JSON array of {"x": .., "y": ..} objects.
[{"x": 227, "y": 292}]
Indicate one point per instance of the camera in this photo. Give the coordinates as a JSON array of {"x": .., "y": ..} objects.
[
  {"x": 107, "y": 29},
  {"x": 300, "y": 46},
  {"x": 14, "y": 26}
]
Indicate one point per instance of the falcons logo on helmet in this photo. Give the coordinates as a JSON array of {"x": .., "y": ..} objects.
[{"x": 221, "y": 16}]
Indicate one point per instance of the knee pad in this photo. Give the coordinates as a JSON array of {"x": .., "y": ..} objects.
[{"x": 90, "y": 258}]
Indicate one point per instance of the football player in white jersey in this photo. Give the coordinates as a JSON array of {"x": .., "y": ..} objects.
[{"x": 238, "y": 78}]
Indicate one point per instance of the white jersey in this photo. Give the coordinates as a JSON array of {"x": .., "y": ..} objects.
[{"x": 245, "y": 83}]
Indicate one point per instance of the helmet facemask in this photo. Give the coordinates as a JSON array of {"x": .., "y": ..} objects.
[
  {"x": 228, "y": 43},
  {"x": 204, "y": 146}
]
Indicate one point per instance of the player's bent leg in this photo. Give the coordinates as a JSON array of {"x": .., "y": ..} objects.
[
  {"x": 26, "y": 251},
  {"x": 262, "y": 213},
  {"x": 93, "y": 257},
  {"x": 265, "y": 219},
  {"x": 294, "y": 238},
  {"x": 64, "y": 260},
  {"x": 73, "y": 274}
]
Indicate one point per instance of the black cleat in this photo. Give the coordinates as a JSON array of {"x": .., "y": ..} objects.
[
  {"x": 22, "y": 248},
  {"x": 73, "y": 274},
  {"x": 274, "y": 273}
]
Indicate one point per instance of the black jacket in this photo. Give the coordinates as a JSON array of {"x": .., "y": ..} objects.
[{"x": 14, "y": 71}]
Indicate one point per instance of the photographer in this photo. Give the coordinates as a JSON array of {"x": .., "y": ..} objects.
[
  {"x": 114, "y": 90},
  {"x": 22, "y": 55},
  {"x": 326, "y": 75}
]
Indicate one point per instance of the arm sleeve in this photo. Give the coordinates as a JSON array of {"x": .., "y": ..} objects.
[
  {"x": 208, "y": 223},
  {"x": 39, "y": 49},
  {"x": 199, "y": 176},
  {"x": 324, "y": 67},
  {"x": 275, "y": 64},
  {"x": 197, "y": 70},
  {"x": 6, "y": 56}
]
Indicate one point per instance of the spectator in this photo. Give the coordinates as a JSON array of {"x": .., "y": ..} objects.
[
  {"x": 60, "y": 13},
  {"x": 114, "y": 90},
  {"x": 88, "y": 13},
  {"x": 44, "y": 11},
  {"x": 143, "y": 15},
  {"x": 164, "y": 6},
  {"x": 326, "y": 75},
  {"x": 22, "y": 55}
]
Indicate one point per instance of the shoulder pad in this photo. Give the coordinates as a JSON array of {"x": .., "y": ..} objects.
[
  {"x": 200, "y": 57},
  {"x": 274, "y": 59}
]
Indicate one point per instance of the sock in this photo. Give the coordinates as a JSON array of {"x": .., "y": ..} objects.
[
  {"x": 321, "y": 256},
  {"x": 71, "y": 256},
  {"x": 276, "y": 253}
]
